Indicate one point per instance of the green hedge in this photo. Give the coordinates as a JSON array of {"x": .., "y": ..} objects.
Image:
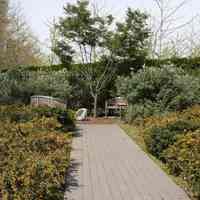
[
  {"x": 37, "y": 68},
  {"x": 184, "y": 62},
  {"x": 124, "y": 67}
]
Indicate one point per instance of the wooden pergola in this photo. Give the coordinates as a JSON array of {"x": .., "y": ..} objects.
[{"x": 117, "y": 104}]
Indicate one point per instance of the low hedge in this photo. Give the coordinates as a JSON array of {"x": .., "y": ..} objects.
[
  {"x": 188, "y": 63},
  {"x": 34, "y": 155},
  {"x": 125, "y": 66}
]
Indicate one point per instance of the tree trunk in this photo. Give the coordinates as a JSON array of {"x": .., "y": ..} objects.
[{"x": 95, "y": 105}]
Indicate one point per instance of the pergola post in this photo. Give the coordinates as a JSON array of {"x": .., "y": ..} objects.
[{"x": 106, "y": 108}]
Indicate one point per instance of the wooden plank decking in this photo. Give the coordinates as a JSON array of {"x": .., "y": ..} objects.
[{"x": 107, "y": 165}]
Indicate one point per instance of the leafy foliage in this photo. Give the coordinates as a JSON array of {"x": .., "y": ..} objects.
[
  {"x": 183, "y": 159},
  {"x": 22, "y": 114},
  {"x": 174, "y": 139},
  {"x": 21, "y": 84},
  {"x": 34, "y": 155},
  {"x": 83, "y": 36},
  {"x": 80, "y": 30},
  {"x": 158, "y": 90},
  {"x": 186, "y": 63},
  {"x": 161, "y": 132},
  {"x": 130, "y": 40},
  {"x": 158, "y": 140}
]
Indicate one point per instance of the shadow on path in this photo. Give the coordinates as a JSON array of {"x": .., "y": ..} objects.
[
  {"x": 71, "y": 181},
  {"x": 78, "y": 132}
]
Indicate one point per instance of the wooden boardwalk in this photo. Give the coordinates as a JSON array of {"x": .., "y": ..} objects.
[{"x": 107, "y": 165}]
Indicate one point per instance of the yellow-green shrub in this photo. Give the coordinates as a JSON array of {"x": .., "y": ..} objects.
[
  {"x": 21, "y": 113},
  {"x": 192, "y": 113},
  {"x": 34, "y": 156},
  {"x": 159, "y": 138},
  {"x": 175, "y": 139},
  {"x": 162, "y": 131},
  {"x": 183, "y": 159}
]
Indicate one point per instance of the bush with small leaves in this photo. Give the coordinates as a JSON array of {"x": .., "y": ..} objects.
[
  {"x": 175, "y": 139},
  {"x": 158, "y": 90},
  {"x": 34, "y": 155},
  {"x": 158, "y": 139},
  {"x": 183, "y": 159}
]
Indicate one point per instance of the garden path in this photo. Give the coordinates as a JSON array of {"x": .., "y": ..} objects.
[{"x": 107, "y": 165}]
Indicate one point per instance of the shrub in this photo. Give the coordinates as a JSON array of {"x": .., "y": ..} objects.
[
  {"x": 183, "y": 126},
  {"x": 158, "y": 90},
  {"x": 19, "y": 84},
  {"x": 67, "y": 119},
  {"x": 159, "y": 138},
  {"x": 162, "y": 131},
  {"x": 183, "y": 159},
  {"x": 21, "y": 113},
  {"x": 16, "y": 113},
  {"x": 192, "y": 114},
  {"x": 34, "y": 155},
  {"x": 188, "y": 63},
  {"x": 174, "y": 138},
  {"x": 48, "y": 112},
  {"x": 136, "y": 113}
]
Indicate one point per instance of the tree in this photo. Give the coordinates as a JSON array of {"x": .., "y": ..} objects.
[
  {"x": 53, "y": 58},
  {"x": 84, "y": 35},
  {"x": 18, "y": 45},
  {"x": 3, "y": 28},
  {"x": 22, "y": 46},
  {"x": 130, "y": 40},
  {"x": 166, "y": 25},
  {"x": 3, "y": 19}
]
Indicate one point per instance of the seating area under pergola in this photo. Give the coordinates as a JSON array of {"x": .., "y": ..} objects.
[{"x": 116, "y": 104}]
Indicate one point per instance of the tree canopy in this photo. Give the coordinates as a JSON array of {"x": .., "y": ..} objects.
[
  {"x": 83, "y": 39},
  {"x": 130, "y": 41},
  {"x": 90, "y": 39}
]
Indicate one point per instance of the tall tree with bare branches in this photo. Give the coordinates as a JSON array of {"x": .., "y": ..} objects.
[
  {"x": 167, "y": 25},
  {"x": 84, "y": 36},
  {"x": 3, "y": 28},
  {"x": 18, "y": 45},
  {"x": 22, "y": 46}
]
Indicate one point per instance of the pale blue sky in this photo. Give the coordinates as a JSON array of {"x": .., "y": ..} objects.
[{"x": 39, "y": 12}]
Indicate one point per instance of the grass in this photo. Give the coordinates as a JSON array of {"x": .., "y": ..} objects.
[{"x": 134, "y": 133}]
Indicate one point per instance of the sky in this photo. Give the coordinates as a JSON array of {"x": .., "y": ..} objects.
[{"x": 39, "y": 13}]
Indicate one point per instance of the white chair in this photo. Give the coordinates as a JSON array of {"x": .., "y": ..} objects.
[{"x": 81, "y": 114}]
